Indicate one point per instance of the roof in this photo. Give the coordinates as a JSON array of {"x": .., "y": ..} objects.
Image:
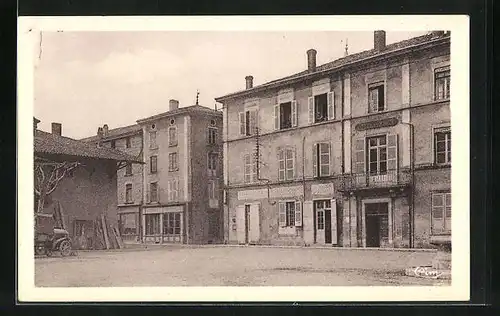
[
  {"x": 116, "y": 133},
  {"x": 344, "y": 61},
  {"x": 48, "y": 143},
  {"x": 193, "y": 109}
]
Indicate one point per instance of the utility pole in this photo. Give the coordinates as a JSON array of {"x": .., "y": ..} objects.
[{"x": 257, "y": 151}]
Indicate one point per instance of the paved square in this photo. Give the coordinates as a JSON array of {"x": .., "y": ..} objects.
[{"x": 232, "y": 266}]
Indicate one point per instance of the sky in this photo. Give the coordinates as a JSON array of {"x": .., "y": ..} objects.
[{"x": 86, "y": 79}]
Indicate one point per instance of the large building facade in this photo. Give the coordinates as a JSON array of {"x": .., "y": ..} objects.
[
  {"x": 175, "y": 196},
  {"x": 353, "y": 153}
]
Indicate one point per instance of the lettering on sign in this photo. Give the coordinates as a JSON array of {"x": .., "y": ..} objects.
[
  {"x": 252, "y": 194},
  {"x": 286, "y": 192},
  {"x": 322, "y": 189},
  {"x": 377, "y": 124},
  {"x": 157, "y": 210}
]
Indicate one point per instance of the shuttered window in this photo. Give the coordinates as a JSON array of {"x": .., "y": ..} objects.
[
  {"x": 321, "y": 158},
  {"x": 290, "y": 214},
  {"x": 286, "y": 164},
  {"x": 441, "y": 213},
  {"x": 442, "y": 83},
  {"x": 376, "y": 98},
  {"x": 442, "y": 145},
  {"x": 321, "y": 107},
  {"x": 173, "y": 189},
  {"x": 172, "y": 136},
  {"x": 285, "y": 115},
  {"x": 249, "y": 122},
  {"x": 250, "y": 168}
]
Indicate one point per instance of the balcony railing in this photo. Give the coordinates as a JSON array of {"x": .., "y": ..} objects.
[{"x": 391, "y": 178}]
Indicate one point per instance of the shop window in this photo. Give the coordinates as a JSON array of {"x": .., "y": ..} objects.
[
  {"x": 171, "y": 223},
  {"x": 152, "y": 224}
]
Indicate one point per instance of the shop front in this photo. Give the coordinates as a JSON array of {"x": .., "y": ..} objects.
[{"x": 163, "y": 224}]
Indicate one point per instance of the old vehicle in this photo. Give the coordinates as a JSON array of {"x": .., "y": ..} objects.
[{"x": 49, "y": 238}]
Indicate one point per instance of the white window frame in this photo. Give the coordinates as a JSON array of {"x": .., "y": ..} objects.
[
  {"x": 317, "y": 165},
  {"x": 378, "y": 148},
  {"x": 446, "y": 91},
  {"x": 173, "y": 189},
  {"x": 448, "y": 153}
]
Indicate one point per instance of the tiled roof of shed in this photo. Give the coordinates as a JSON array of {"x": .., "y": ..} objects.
[
  {"x": 47, "y": 143},
  {"x": 347, "y": 60}
]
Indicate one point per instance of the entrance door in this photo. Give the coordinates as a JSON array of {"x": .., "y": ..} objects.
[
  {"x": 372, "y": 231},
  {"x": 377, "y": 226},
  {"x": 328, "y": 226}
]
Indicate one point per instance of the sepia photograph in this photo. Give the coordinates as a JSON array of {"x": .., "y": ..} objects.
[{"x": 241, "y": 159}]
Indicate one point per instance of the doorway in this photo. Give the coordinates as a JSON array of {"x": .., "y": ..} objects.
[
  {"x": 323, "y": 219},
  {"x": 377, "y": 224}
]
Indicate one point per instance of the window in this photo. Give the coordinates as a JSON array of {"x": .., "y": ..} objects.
[
  {"x": 250, "y": 173},
  {"x": 285, "y": 115},
  {"x": 441, "y": 213},
  {"x": 248, "y": 122},
  {"x": 320, "y": 207},
  {"x": 290, "y": 214},
  {"x": 172, "y": 162},
  {"x": 286, "y": 164},
  {"x": 321, "y": 219},
  {"x": 212, "y": 135},
  {"x": 152, "y": 224},
  {"x": 153, "y": 164},
  {"x": 213, "y": 190},
  {"x": 173, "y": 189},
  {"x": 212, "y": 163},
  {"x": 128, "y": 193},
  {"x": 321, "y": 107},
  {"x": 377, "y": 155},
  {"x": 128, "y": 169},
  {"x": 153, "y": 192},
  {"x": 172, "y": 136},
  {"x": 152, "y": 140},
  {"x": 128, "y": 224},
  {"x": 442, "y": 83},
  {"x": 171, "y": 223},
  {"x": 321, "y": 158},
  {"x": 442, "y": 146},
  {"x": 113, "y": 144},
  {"x": 376, "y": 98},
  {"x": 127, "y": 142}
]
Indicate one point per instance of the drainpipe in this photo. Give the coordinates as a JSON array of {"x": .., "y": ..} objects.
[
  {"x": 303, "y": 167},
  {"x": 412, "y": 170}
]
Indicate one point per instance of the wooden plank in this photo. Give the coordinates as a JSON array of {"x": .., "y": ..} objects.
[
  {"x": 105, "y": 232},
  {"x": 112, "y": 236},
  {"x": 118, "y": 237}
]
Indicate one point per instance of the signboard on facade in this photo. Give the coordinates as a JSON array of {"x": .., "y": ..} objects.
[
  {"x": 377, "y": 124},
  {"x": 158, "y": 210},
  {"x": 322, "y": 189},
  {"x": 280, "y": 192}
]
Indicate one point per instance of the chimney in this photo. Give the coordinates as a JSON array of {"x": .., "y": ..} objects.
[
  {"x": 99, "y": 137},
  {"x": 57, "y": 129},
  {"x": 173, "y": 105},
  {"x": 249, "y": 81},
  {"x": 379, "y": 40},
  {"x": 436, "y": 34},
  {"x": 311, "y": 60},
  {"x": 105, "y": 130},
  {"x": 35, "y": 123}
]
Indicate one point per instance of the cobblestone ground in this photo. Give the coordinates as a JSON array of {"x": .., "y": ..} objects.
[{"x": 232, "y": 266}]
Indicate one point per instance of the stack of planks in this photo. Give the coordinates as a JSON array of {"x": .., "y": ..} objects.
[{"x": 107, "y": 236}]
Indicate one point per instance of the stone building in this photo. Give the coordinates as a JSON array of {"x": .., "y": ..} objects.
[
  {"x": 175, "y": 196},
  {"x": 352, "y": 153}
]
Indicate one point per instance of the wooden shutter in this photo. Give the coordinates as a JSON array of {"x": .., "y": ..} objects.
[
  {"x": 374, "y": 100},
  {"x": 276, "y": 117},
  {"x": 392, "y": 152},
  {"x": 253, "y": 122},
  {"x": 169, "y": 190},
  {"x": 294, "y": 113},
  {"x": 334, "y": 221},
  {"x": 359, "y": 156},
  {"x": 310, "y": 102},
  {"x": 331, "y": 107},
  {"x": 240, "y": 224},
  {"x": 281, "y": 156},
  {"x": 282, "y": 214},
  {"x": 315, "y": 160},
  {"x": 254, "y": 229},
  {"x": 329, "y": 159},
  {"x": 298, "y": 214},
  {"x": 242, "y": 123}
]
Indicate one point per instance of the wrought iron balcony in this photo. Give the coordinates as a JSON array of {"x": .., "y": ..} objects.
[{"x": 388, "y": 179}]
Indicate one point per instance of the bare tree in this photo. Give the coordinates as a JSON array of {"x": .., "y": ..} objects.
[{"x": 48, "y": 174}]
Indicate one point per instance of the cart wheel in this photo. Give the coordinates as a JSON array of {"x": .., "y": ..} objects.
[
  {"x": 40, "y": 251},
  {"x": 65, "y": 248},
  {"x": 48, "y": 253}
]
